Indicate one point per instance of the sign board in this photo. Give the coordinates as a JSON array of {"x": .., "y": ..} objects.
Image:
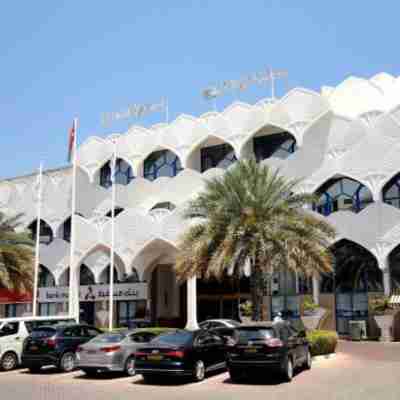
[{"x": 122, "y": 291}]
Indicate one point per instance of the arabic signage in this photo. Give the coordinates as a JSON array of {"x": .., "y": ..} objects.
[{"x": 122, "y": 291}]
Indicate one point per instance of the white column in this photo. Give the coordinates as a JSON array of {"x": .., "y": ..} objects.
[
  {"x": 387, "y": 283},
  {"x": 315, "y": 287},
  {"x": 191, "y": 323}
]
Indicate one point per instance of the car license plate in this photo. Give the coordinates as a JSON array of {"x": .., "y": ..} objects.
[
  {"x": 91, "y": 351},
  {"x": 34, "y": 348},
  {"x": 251, "y": 350},
  {"x": 155, "y": 358}
]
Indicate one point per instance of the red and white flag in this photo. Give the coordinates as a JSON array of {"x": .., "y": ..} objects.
[{"x": 71, "y": 140}]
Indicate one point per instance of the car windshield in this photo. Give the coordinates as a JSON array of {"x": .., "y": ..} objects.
[
  {"x": 43, "y": 332},
  {"x": 244, "y": 335},
  {"x": 177, "y": 338},
  {"x": 109, "y": 338}
]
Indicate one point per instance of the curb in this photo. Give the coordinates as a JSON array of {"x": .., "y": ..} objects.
[{"x": 324, "y": 357}]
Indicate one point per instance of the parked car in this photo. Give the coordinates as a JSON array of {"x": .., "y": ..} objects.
[
  {"x": 112, "y": 352},
  {"x": 222, "y": 327},
  {"x": 267, "y": 346},
  {"x": 13, "y": 332},
  {"x": 56, "y": 345},
  {"x": 183, "y": 353}
]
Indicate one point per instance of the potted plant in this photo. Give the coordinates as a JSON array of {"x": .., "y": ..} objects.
[
  {"x": 246, "y": 311},
  {"x": 383, "y": 312}
]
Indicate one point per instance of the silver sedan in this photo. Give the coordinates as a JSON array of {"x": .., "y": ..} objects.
[{"x": 112, "y": 352}]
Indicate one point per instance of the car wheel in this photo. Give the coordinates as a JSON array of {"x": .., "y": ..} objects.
[
  {"x": 9, "y": 361},
  {"x": 67, "y": 362},
  {"x": 130, "y": 366},
  {"x": 288, "y": 370},
  {"x": 236, "y": 375},
  {"x": 199, "y": 371},
  {"x": 308, "y": 362}
]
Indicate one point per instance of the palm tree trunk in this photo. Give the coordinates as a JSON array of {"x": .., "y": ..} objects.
[{"x": 256, "y": 291}]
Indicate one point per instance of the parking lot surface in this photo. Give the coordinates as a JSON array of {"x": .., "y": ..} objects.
[{"x": 360, "y": 371}]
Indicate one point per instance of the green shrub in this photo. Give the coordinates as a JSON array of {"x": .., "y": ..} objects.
[
  {"x": 308, "y": 304},
  {"x": 322, "y": 342}
]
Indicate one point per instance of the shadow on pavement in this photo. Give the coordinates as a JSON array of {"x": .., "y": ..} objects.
[
  {"x": 101, "y": 376},
  {"x": 258, "y": 379}
]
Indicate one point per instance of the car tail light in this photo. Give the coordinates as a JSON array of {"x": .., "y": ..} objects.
[
  {"x": 274, "y": 342},
  {"x": 51, "y": 342},
  {"x": 110, "y": 349},
  {"x": 175, "y": 353}
]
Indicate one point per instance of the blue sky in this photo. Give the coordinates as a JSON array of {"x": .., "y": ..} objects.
[{"x": 60, "y": 59}]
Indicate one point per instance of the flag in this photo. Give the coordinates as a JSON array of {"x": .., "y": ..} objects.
[{"x": 71, "y": 140}]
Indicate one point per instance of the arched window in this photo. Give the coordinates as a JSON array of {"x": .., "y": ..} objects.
[
  {"x": 46, "y": 234},
  {"x": 356, "y": 270},
  {"x": 46, "y": 278},
  {"x": 279, "y": 145},
  {"x": 342, "y": 194},
  {"x": 66, "y": 230},
  {"x": 166, "y": 205},
  {"x": 161, "y": 163},
  {"x": 391, "y": 192},
  {"x": 123, "y": 173},
  {"x": 221, "y": 156},
  {"x": 133, "y": 277},
  {"x": 117, "y": 211},
  {"x": 394, "y": 265},
  {"x": 86, "y": 276},
  {"x": 105, "y": 276}
]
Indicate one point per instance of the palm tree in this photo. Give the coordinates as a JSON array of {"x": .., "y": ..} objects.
[
  {"x": 16, "y": 255},
  {"x": 251, "y": 221}
]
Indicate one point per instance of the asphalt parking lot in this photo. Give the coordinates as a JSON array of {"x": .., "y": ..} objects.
[{"x": 359, "y": 371}]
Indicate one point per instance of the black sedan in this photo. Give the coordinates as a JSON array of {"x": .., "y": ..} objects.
[
  {"x": 182, "y": 353},
  {"x": 267, "y": 347}
]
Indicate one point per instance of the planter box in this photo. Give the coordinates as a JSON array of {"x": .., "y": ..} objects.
[{"x": 385, "y": 324}]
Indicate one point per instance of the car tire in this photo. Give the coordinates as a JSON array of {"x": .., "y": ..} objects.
[
  {"x": 67, "y": 362},
  {"x": 308, "y": 362},
  {"x": 235, "y": 375},
  {"x": 199, "y": 371},
  {"x": 9, "y": 361},
  {"x": 288, "y": 369},
  {"x": 130, "y": 366}
]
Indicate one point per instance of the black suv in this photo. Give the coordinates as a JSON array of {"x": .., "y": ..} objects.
[
  {"x": 267, "y": 346},
  {"x": 55, "y": 345}
]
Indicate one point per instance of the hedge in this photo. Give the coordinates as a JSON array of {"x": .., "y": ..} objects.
[{"x": 322, "y": 342}]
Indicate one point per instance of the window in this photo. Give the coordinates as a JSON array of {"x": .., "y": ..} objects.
[
  {"x": 46, "y": 309},
  {"x": 391, "y": 192},
  {"x": 10, "y": 328},
  {"x": 46, "y": 278},
  {"x": 128, "y": 311},
  {"x": 90, "y": 332},
  {"x": 15, "y": 310},
  {"x": 117, "y": 211},
  {"x": 123, "y": 173},
  {"x": 67, "y": 230},
  {"x": 86, "y": 276},
  {"x": 219, "y": 156},
  {"x": 342, "y": 194},
  {"x": 161, "y": 163},
  {"x": 164, "y": 206},
  {"x": 143, "y": 337},
  {"x": 45, "y": 233},
  {"x": 279, "y": 145},
  {"x": 75, "y": 331}
]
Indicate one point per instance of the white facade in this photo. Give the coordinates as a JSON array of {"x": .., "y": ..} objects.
[{"x": 352, "y": 130}]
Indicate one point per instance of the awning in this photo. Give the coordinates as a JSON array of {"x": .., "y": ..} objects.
[{"x": 11, "y": 296}]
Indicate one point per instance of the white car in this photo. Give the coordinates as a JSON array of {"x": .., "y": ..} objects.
[{"x": 13, "y": 332}]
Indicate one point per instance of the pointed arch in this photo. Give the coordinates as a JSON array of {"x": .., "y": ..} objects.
[
  {"x": 161, "y": 163},
  {"x": 356, "y": 269},
  {"x": 86, "y": 276},
  {"x": 193, "y": 159},
  {"x": 45, "y": 278},
  {"x": 123, "y": 173},
  {"x": 391, "y": 190},
  {"x": 342, "y": 193},
  {"x": 46, "y": 232}
]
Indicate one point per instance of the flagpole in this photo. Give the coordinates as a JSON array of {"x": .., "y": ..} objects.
[
  {"x": 73, "y": 297},
  {"x": 37, "y": 249},
  {"x": 112, "y": 258}
]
